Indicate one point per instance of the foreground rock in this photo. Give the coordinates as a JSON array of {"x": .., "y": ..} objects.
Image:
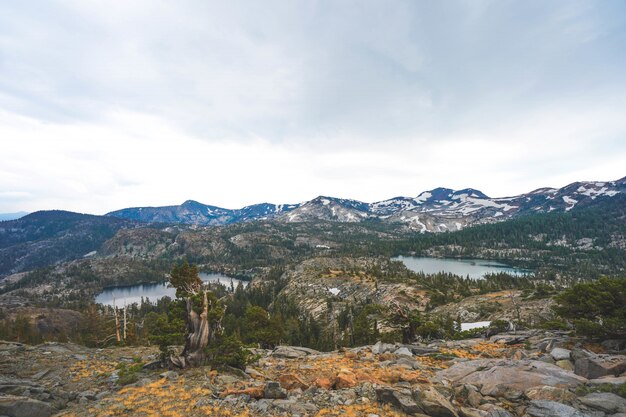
[
  {"x": 605, "y": 401},
  {"x": 417, "y": 401},
  {"x": 592, "y": 366},
  {"x": 466, "y": 378},
  {"x": 17, "y": 406},
  {"x": 509, "y": 378},
  {"x": 543, "y": 408}
]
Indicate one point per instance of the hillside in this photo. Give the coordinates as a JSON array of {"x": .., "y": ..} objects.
[
  {"x": 48, "y": 237},
  {"x": 589, "y": 239}
]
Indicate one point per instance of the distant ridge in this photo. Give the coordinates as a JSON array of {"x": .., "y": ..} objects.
[
  {"x": 437, "y": 210},
  {"x": 12, "y": 216}
]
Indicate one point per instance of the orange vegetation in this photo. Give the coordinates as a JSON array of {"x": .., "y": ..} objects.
[
  {"x": 91, "y": 369},
  {"x": 359, "y": 410},
  {"x": 346, "y": 370}
]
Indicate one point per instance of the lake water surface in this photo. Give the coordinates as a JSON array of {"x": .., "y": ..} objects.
[
  {"x": 475, "y": 268},
  {"x": 134, "y": 293}
]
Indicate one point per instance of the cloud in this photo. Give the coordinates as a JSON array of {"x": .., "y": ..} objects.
[{"x": 232, "y": 103}]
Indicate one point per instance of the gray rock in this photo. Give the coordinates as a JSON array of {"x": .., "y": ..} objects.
[
  {"x": 15, "y": 406},
  {"x": 498, "y": 412},
  {"x": 423, "y": 350},
  {"x": 407, "y": 362},
  {"x": 253, "y": 373},
  {"x": 90, "y": 395},
  {"x": 508, "y": 339},
  {"x": 434, "y": 404},
  {"x": 544, "y": 408},
  {"x": 592, "y": 366},
  {"x": 559, "y": 354},
  {"x": 401, "y": 399},
  {"x": 429, "y": 402},
  {"x": 292, "y": 352},
  {"x": 226, "y": 379},
  {"x": 472, "y": 412},
  {"x": 605, "y": 401},
  {"x": 153, "y": 365},
  {"x": 273, "y": 390},
  {"x": 501, "y": 377},
  {"x": 616, "y": 345},
  {"x": 473, "y": 396},
  {"x": 40, "y": 375},
  {"x": 613, "y": 380},
  {"x": 169, "y": 375},
  {"x": 560, "y": 395},
  {"x": 547, "y": 359},
  {"x": 102, "y": 394},
  {"x": 381, "y": 347},
  {"x": 403, "y": 352}
]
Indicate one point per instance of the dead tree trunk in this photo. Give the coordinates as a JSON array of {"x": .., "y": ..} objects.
[
  {"x": 200, "y": 333},
  {"x": 117, "y": 327}
]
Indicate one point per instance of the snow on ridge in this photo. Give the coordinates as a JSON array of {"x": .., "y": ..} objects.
[
  {"x": 423, "y": 196},
  {"x": 569, "y": 200}
]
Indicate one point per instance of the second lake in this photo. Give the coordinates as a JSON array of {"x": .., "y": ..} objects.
[{"x": 474, "y": 268}]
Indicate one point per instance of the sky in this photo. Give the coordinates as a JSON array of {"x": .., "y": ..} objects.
[{"x": 113, "y": 104}]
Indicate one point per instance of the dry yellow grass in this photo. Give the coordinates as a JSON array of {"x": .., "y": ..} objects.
[{"x": 91, "y": 369}]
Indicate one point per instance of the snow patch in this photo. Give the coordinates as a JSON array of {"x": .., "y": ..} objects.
[
  {"x": 569, "y": 200},
  {"x": 334, "y": 291},
  {"x": 475, "y": 325}
]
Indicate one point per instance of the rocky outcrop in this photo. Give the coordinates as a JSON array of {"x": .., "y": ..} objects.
[
  {"x": 509, "y": 378},
  {"x": 19, "y": 406},
  {"x": 605, "y": 401},
  {"x": 292, "y": 352},
  {"x": 273, "y": 390},
  {"x": 417, "y": 401},
  {"x": 592, "y": 366},
  {"x": 543, "y": 408}
]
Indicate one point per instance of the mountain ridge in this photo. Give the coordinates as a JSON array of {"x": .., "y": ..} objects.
[{"x": 437, "y": 210}]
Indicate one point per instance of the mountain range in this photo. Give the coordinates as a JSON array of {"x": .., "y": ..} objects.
[{"x": 437, "y": 210}]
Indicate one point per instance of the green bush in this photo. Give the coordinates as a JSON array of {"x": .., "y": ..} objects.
[
  {"x": 597, "y": 309},
  {"x": 499, "y": 326},
  {"x": 128, "y": 374},
  {"x": 228, "y": 351},
  {"x": 469, "y": 334},
  {"x": 554, "y": 324}
]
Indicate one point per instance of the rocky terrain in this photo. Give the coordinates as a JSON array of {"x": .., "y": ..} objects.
[
  {"x": 509, "y": 305},
  {"x": 324, "y": 286},
  {"x": 437, "y": 210},
  {"x": 529, "y": 374}
]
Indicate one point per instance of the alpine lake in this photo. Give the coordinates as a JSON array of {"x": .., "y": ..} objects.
[
  {"x": 129, "y": 294},
  {"x": 472, "y": 268}
]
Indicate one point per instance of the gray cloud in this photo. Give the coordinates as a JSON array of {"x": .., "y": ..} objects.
[{"x": 328, "y": 76}]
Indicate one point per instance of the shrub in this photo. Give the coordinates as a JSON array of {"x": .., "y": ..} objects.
[
  {"x": 499, "y": 326},
  {"x": 128, "y": 374},
  {"x": 228, "y": 351},
  {"x": 597, "y": 309},
  {"x": 554, "y": 324}
]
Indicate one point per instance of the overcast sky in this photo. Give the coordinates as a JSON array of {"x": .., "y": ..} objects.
[{"x": 112, "y": 104}]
